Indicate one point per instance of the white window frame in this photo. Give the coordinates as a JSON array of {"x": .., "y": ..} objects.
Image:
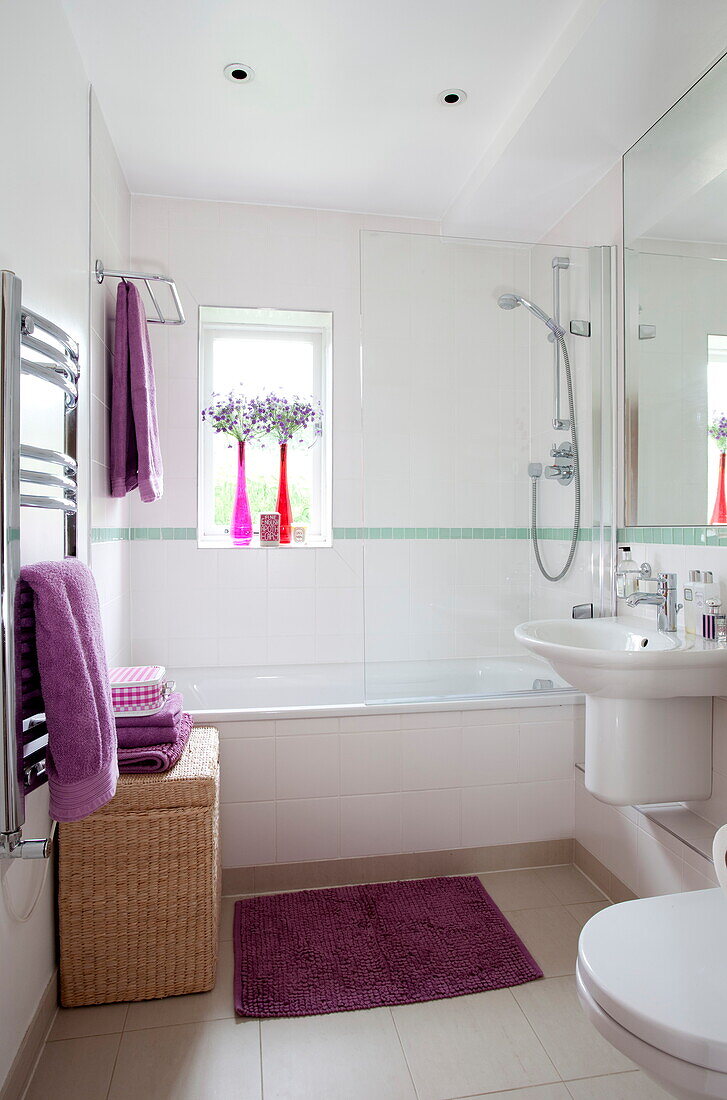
[{"x": 275, "y": 324}]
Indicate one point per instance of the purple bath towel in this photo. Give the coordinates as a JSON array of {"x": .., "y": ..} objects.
[
  {"x": 75, "y": 687},
  {"x": 137, "y": 730},
  {"x": 135, "y": 458},
  {"x": 156, "y": 758}
]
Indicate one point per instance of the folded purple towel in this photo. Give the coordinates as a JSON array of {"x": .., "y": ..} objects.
[
  {"x": 135, "y": 453},
  {"x": 156, "y": 758},
  {"x": 136, "y": 730},
  {"x": 74, "y": 682}
]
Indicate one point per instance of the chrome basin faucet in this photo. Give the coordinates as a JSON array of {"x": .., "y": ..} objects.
[{"x": 665, "y": 599}]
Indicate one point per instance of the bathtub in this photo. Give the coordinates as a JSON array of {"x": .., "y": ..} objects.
[
  {"x": 446, "y": 755},
  {"x": 290, "y": 691}
]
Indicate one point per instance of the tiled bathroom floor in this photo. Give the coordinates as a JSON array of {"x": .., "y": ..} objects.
[{"x": 531, "y": 1042}]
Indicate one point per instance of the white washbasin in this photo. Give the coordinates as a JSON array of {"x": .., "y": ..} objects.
[
  {"x": 627, "y": 658},
  {"x": 648, "y": 703}
]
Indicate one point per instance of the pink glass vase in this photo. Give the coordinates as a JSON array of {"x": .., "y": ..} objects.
[
  {"x": 719, "y": 514},
  {"x": 283, "y": 505},
  {"x": 241, "y": 524}
]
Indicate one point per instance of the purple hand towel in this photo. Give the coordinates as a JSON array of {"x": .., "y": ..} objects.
[
  {"x": 74, "y": 681},
  {"x": 135, "y": 457},
  {"x": 156, "y": 758},
  {"x": 137, "y": 730}
]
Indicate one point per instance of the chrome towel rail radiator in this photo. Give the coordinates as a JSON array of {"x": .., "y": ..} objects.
[{"x": 30, "y": 345}]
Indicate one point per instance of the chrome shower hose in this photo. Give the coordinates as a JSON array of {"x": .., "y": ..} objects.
[{"x": 576, "y": 477}]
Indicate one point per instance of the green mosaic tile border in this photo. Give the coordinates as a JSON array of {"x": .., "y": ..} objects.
[
  {"x": 674, "y": 536},
  {"x": 519, "y": 534},
  {"x": 133, "y": 534},
  {"x": 514, "y": 534}
]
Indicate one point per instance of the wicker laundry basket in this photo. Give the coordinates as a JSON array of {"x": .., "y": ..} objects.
[{"x": 139, "y": 886}]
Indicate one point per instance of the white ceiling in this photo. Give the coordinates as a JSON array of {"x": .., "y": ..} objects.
[{"x": 343, "y": 112}]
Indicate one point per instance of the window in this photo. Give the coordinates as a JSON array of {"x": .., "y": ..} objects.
[{"x": 260, "y": 351}]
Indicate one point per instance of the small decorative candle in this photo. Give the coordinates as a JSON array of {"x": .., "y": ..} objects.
[
  {"x": 270, "y": 528},
  {"x": 297, "y": 532}
]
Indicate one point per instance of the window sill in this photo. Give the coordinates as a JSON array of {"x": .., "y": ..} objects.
[{"x": 222, "y": 542}]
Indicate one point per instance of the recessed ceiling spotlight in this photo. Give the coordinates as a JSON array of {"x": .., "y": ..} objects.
[
  {"x": 239, "y": 73},
  {"x": 450, "y": 96}
]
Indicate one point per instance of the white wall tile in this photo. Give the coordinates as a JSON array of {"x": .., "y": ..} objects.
[
  {"x": 307, "y": 766},
  {"x": 248, "y": 833},
  {"x": 431, "y": 820},
  {"x": 370, "y": 825},
  {"x": 546, "y": 810},
  {"x": 490, "y": 754},
  {"x": 295, "y": 727},
  {"x": 339, "y": 611},
  {"x": 247, "y": 769},
  {"x": 660, "y": 870},
  {"x": 489, "y": 815},
  {"x": 307, "y": 829},
  {"x": 246, "y": 728},
  {"x": 546, "y": 751},
  {"x": 291, "y": 611},
  {"x": 431, "y": 758},
  {"x": 371, "y": 762}
]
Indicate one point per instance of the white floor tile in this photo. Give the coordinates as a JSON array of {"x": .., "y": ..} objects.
[
  {"x": 574, "y": 1045},
  {"x": 584, "y": 910},
  {"x": 551, "y": 937},
  {"x": 217, "y": 1060},
  {"x": 569, "y": 885},
  {"x": 466, "y": 1045},
  {"x": 75, "y": 1069},
  {"x": 355, "y": 1055},
  {"x": 75, "y": 1023},
  {"x": 518, "y": 890},
  {"x": 617, "y": 1086},
  {"x": 534, "y": 1092}
]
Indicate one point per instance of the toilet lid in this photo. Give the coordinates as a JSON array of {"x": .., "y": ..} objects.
[{"x": 658, "y": 967}]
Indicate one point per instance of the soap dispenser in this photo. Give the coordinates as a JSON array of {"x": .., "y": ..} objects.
[{"x": 627, "y": 574}]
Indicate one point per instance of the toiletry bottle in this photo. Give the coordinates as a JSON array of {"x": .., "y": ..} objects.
[
  {"x": 690, "y": 606},
  {"x": 720, "y": 629},
  {"x": 709, "y": 619},
  {"x": 704, "y": 589},
  {"x": 627, "y": 574}
]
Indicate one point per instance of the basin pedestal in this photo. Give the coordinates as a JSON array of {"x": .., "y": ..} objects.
[{"x": 641, "y": 751}]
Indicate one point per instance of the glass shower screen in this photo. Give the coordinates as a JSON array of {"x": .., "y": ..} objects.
[{"x": 457, "y": 401}]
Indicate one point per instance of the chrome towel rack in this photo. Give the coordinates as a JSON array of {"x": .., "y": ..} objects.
[
  {"x": 53, "y": 358},
  {"x": 147, "y": 279}
]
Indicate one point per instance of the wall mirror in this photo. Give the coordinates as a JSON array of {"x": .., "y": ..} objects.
[{"x": 675, "y": 283}]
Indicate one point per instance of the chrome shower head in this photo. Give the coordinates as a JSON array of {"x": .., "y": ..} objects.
[{"x": 510, "y": 301}]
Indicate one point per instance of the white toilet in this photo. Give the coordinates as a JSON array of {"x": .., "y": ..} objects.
[{"x": 652, "y": 979}]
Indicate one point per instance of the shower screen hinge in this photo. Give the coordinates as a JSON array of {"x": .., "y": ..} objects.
[
  {"x": 582, "y": 611},
  {"x": 580, "y": 328},
  {"x": 647, "y": 332}
]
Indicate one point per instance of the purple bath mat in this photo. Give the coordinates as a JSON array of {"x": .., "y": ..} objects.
[{"x": 391, "y": 943}]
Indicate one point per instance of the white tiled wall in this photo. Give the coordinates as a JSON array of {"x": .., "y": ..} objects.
[
  {"x": 284, "y": 606},
  {"x": 44, "y": 239},
  {"x": 639, "y": 853},
  {"x": 323, "y": 788},
  {"x": 110, "y": 234}
]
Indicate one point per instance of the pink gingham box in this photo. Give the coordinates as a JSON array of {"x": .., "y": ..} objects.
[{"x": 140, "y": 689}]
